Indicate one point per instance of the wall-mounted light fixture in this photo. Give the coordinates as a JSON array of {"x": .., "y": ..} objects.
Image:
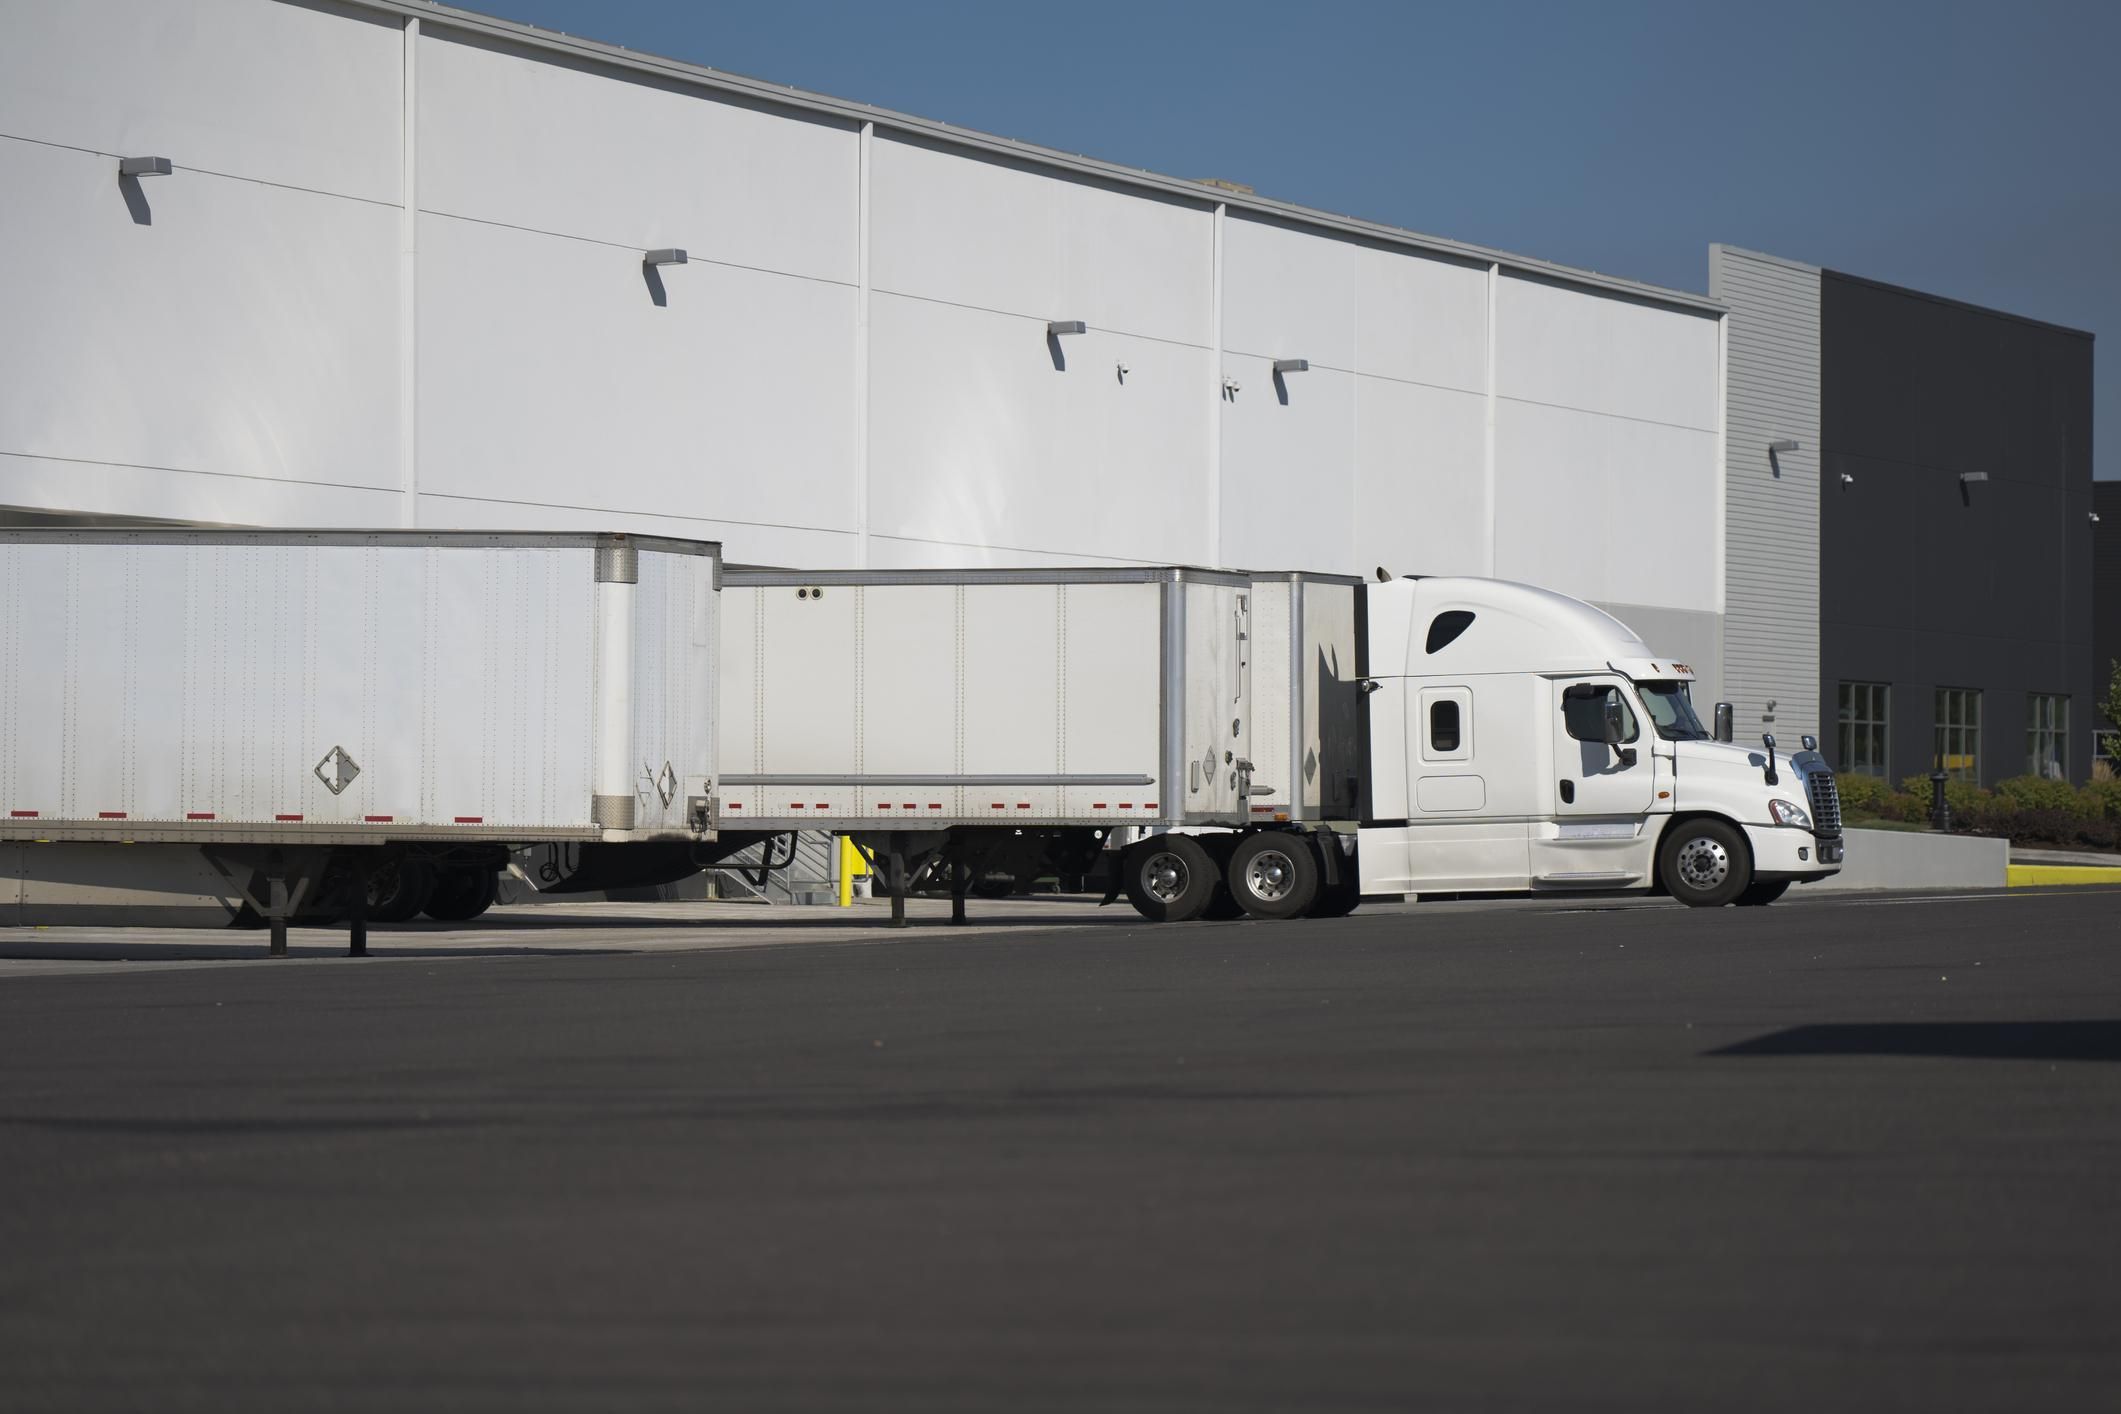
[
  {"x": 1066, "y": 326},
  {"x": 1847, "y": 480},
  {"x": 144, "y": 167},
  {"x": 2095, "y": 517},
  {"x": 1967, "y": 476},
  {"x": 671, "y": 255},
  {"x": 1786, "y": 445},
  {"x": 1230, "y": 386},
  {"x": 1292, "y": 365}
]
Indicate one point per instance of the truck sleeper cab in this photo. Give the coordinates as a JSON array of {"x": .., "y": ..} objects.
[{"x": 1519, "y": 740}]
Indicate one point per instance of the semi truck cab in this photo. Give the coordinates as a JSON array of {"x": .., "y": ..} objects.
[{"x": 1521, "y": 740}]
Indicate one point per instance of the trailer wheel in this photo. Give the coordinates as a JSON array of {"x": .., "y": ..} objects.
[
  {"x": 1170, "y": 878},
  {"x": 399, "y": 890},
  {"x": 1762, "y": 892},
  {"x": 1274, "y": 875},
  {"x": 1704, "y": 862},
  {"x": 461, "y": 894}
]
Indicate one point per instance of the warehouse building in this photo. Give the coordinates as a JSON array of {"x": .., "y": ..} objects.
[
  {"x": 380, "y": 263},
  {"x": 1927, "y": 465}
]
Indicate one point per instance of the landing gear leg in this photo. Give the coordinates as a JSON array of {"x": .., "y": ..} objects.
[
  {"x": 960, "y": 882},
  {"x": 895, "y": 869},
  {"x": 276, "y": 911},
  {"x": 357, "y": 914}
]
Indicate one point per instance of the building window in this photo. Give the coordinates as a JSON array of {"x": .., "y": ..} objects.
[
  {"x": 1862, "y": 723},
  {"x": 2047, "y": 735},
  {"x": 1959, "y": 733}
]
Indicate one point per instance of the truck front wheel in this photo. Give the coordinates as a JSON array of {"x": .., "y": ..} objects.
[
  {"x": 1704, "y": 863},
  {"x": 1274, "y": 875},
  {"x": 1170, "y": 878}
]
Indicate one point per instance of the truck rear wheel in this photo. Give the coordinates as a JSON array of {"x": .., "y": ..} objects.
[
  {"x": 1274, "y": 875},
  {"x": 1170, "y": 878},
  {"x": 1340, "y": 899},
  {"x": 1222, "y": 908},
  {"x": 1704, "y": 863},
  {"x": 461, "y": 894}
]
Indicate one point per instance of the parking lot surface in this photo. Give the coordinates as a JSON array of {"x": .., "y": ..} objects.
[{"x": 1854, "y": 1152}]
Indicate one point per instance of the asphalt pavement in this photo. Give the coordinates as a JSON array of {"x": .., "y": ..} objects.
[{"x": 1846, "y": 1153}]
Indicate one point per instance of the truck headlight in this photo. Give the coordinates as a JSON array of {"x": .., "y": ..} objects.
[{"x": 1788, "y": 812}]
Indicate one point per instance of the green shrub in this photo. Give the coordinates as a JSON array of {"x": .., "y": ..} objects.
[
  {"x": 1914, "y": 809},
  {"x": 1963, "y": 796},
  {"x": 1865, "y": 796},
  {"x": 2038, "y": 793},
  {"x": 2107, "y": 794}
]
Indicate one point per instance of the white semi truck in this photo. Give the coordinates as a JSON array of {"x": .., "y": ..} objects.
[
  {"x": 1274, "y": 744},
  {"x": 288, "y": 726}
]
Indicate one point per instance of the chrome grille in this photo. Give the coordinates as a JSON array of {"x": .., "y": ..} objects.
[{"x": 1826, "y": 802}]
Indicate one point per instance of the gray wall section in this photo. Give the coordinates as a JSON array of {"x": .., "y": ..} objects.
[
  {"x": 1694, "y": 637},
  {"x": 1771, "y": 501},
  {"x": 1929, "y": 581}
]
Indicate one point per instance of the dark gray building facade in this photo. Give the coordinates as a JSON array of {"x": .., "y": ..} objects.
[
  {"x": 2106, "y": 592},
  {"x": 1956, "y": 593}
]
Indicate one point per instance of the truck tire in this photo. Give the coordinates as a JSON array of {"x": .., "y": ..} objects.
[
  {"x": 399, "y": 890},
  {"x": 1338, "y": 900},
  {"x": 1762, "y": 892},
  {"x": 461, "y": 894},
  {"x": 1274, "y": 875},
  {"x": 1222, "y": 908},
  {"x": 1170, "y": 878},
  {"x": 1704, "y": 862}
]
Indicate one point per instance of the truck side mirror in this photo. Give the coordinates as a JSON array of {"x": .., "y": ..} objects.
[
  {"x": 1616, "y": 729},
  {"x": 1726, "y": 728},
  {"x": 1616, "y": 725}
]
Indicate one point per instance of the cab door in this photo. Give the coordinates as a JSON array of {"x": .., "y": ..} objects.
[{"x": 1605, "y": 781}]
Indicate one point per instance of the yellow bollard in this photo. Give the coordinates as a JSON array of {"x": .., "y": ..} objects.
[{"x": 851, "y": 864}]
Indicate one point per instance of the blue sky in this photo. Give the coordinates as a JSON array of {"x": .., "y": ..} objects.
[{"x": 1973, "y": 150}]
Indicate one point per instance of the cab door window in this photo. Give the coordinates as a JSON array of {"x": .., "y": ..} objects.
[{"x": 1583, "y": 712}]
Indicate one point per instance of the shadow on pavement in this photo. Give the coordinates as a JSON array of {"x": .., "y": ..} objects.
[
  {"x": 1966, "y": 1040},
  {"x": 380, "y": 945}
]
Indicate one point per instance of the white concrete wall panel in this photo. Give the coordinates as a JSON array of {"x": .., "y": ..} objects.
[
  {"x": 513, "y": 138},
  {"x": 548, "y": 374},
  {"x": 944, "y": 226},
  {"x": 1419, "y": 489},
  {"x": 976, "y": 438},
  {"x": 1421, "y": 320},
  {"x": 244, "y": 330},
  {"x": 1597, "y": 353},
  {"x": 1605, "y": 508},
  {"x": 305, "y": 97},
  {"x": 741, "y": 542},
  {"x": 1289, "y": 293},
  {"x": 1288, "y": 480}
]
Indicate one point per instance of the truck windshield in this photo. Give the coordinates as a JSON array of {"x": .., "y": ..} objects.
[{"x": 1672, "y": 711}]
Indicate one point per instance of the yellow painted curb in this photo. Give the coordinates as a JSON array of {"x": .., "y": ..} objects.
[{"x": 2026, "y": 876}]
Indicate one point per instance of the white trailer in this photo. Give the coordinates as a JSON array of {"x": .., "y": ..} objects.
[
  {"x": 204, "y": 725},
  {"x": 984, "y": 720}
]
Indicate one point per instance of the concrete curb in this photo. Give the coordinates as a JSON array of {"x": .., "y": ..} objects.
[
  {"x": 2028, "y": 876},
  {"x": 1898, "y": 859}
]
